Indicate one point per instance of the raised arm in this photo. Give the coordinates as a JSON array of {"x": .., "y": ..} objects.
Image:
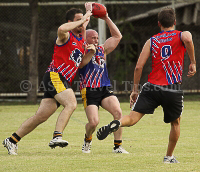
[
  {"x": 63, "y": 30},
  {"x": 187, "y": 40},
  {"x": 88, "y": 7},
  {"x": 112, "y": 42}
]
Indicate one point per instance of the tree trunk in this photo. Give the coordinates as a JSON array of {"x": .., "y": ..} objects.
[{"x": 33, "y": 59}]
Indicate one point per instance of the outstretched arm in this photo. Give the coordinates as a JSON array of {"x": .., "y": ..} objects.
[
  {"x": 63, "y": 30},
  {"x": 144, "y": 55},
  {"x": 187, "y": 40},
  {"x": 112, "y": 42},
  {"x": 88, "y": 7}
]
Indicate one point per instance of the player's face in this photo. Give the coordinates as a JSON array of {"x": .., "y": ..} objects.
[
  {"x": 77, "y": 17},
  {"x": 93, "y": 38}
]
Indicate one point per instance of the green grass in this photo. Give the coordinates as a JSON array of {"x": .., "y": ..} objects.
[{"x": 146, "y": 142}]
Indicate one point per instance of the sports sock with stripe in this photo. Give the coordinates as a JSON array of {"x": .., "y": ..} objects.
[
  {"x": 14, "y": 138},
  {"x": 57, "y": 134},
  {"x": 117, "y": 143},
  {"x": 88, "y": 139}
]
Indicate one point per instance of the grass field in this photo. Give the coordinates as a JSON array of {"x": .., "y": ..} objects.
[{"x": 146, "y": 142}]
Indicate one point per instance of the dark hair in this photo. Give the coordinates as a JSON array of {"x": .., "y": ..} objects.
[
  {"x": 70, "y": 14},
  {"x": 166, "y": 17}
]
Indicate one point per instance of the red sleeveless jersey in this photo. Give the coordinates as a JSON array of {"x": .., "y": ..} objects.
[
  {"x": 67, "y": 57},
  {"x": 167, "y": 51}
]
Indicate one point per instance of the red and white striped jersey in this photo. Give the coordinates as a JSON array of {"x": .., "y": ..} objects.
[
  {"x": 167, "y": 51},
  {"x": 67, "y": 57}
]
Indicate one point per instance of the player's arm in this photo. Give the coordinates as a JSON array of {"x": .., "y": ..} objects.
[
  {"x": 87, "y": 57},
  {"x": 187, "y": 40},
  {"x": 88, "y": 7},
  {"x": 112, "y": 42},
  {"x": 84, "y": 28},
  {"x": 144, "y": 55},
  {"x": 63, "y": 30}
]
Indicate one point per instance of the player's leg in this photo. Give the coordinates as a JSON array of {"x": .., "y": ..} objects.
[
  {"x": 112, "y": 105},
  {"x": 125, "y": 121},
  {"x": 173, "y": 139},
  {"x": 68, "y": 100},
  {"x": 90, "y": 127},
  {"x": 93, "y": 119},
  {"x": 58, "y": 88},
  {"x": 131, "y": 119},
  {"x": 172, "y": 107},
  {"x": 47, "y": 107},
  {"x": 173, "y": 136},
  {"x": 145, "y": 104},
  {"x": 91, "y": 100}
]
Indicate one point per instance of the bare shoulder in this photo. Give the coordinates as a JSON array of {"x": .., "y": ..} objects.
[
  {"x": 186, "y": 36},
  {"x": 186, "y": 33},
  {"x": 147, "y": 44},
  {"x": 148, "y": 41},
  {"x": 62, "y": 38}
]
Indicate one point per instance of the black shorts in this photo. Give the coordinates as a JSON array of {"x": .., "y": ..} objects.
[
  {"x": 54, "y": 83},
  {"x": 170, "y": 97},
  {"x": 94, "y": 96}
]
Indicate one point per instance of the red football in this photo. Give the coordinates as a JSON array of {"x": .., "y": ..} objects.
[{"x": 98, "y": 10}]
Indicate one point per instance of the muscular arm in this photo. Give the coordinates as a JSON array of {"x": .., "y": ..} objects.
[
  {"x": 88, "y": 7},
  {"x": 84, "y": 26},
  {"x": 144, "y": 55},
  {"x": 63, "y": 30},
  {"x": 187, "y": 40},
  {"x": 112, "y": 42}
]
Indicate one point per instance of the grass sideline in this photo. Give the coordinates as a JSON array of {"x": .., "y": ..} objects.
[{"x": 146, "y": 142}]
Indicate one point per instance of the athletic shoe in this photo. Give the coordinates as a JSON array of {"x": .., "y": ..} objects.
[
  {"x": 12, "y": 148},
  {"x": 120, "y": 149},
  {"x": 58, "y": 142},
  {"x": 170, "y": 159},
  {"x": 86, "y": 147},
  {"x": 104, "y": 131}
]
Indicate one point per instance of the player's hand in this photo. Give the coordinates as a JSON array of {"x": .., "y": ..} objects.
[
  {"x": 104, "y": 17},
  {"x": 88, "y": 6},
  {"x": 192, "y": 70},
  {"x": 91, "y": 47},
  {"x": 133, "y": 98}
]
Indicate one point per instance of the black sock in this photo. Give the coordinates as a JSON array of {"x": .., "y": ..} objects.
[
  {"x": 57, "y": 134},
  {"x": 88, "y": 139},
  {"x": 117, "y": 143},
  {"x": 14, "y": 138}
]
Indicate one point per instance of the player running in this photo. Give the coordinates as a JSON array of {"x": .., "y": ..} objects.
[
  {"x": 67, "y": 58},
  {"x": 163, "y": 88}
]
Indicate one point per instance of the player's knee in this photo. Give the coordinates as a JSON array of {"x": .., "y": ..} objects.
[
  {"x": 74, "y": 105},
  {"x": 176, "y": 122},
  {"x": 94, "y": 123},
  {"x": 118, "y": 114},
  {"x": 40, "y": 118},
  {"x": 71, "y": 105}
]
